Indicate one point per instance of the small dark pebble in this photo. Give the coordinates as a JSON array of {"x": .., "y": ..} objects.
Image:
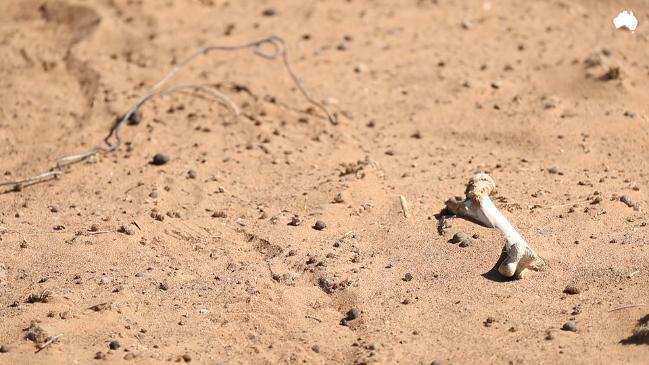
[
  {"x": 316, "y": 348},
  {"x": 192, "y": 174},
  {"x": 572, "y": 290},
  {"x": 459, "y": 237},
  {"x": 569, "y": 326},
  {"x": 629, "y": 114},
  {"x": 553, "y": 170},
  {"x": 135, "y": 118},
  {"x": 157, "y": 216},
  {"x": 219, "y": 214},
  {"x": 353, "y": 313},
  {"x": 126, "y": 230},
  {"x": 628, "y": 201},
  {"x": 114, "y": 345},
  {"x": 489, "y": 321},
  {"x": 407, "y": 277},
  {"x": 163, "y": 286},
  {"x": 6, "y": 348},
  {"x": 462, "y": 238},
  {"x": 319, "y": 225},
  {"x": 154, "y": 195},
  {"x": 269, "y": 12},
  {"x": 295, "y": 221},
  {"x": 160, "y": 159},
  {"x": 187, "y": 358}
]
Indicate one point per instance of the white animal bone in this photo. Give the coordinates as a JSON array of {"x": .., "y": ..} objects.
[{"x": 478, "y": 207}]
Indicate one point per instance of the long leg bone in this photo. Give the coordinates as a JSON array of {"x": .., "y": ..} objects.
[{"x": 478, "y": 207}]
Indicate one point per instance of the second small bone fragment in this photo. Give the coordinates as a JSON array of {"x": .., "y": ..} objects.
[{"x": 479, "y": 208}]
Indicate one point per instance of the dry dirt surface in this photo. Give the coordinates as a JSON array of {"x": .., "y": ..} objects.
[{"x": 214, "y": 257}]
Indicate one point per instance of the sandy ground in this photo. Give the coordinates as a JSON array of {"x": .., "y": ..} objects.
[{"x": 208, "y": 269}]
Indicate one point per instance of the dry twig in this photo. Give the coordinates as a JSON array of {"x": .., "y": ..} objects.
[
  {"x": 404, "y": 206},
  {"x": 113, "y": 139},
  {"x": 625, "y": 307}
]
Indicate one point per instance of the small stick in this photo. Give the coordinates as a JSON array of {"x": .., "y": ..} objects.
[
  {"x": 206, "y": 89},
  {"x": 92, "y": 233},
  {"x": 314, "y": 318},
  {"x": 626, "y": 306},
  {"x": 404, "y": 206},
  {"x": 113, "y": 140},
  {"x": 49, "y": 342}
]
